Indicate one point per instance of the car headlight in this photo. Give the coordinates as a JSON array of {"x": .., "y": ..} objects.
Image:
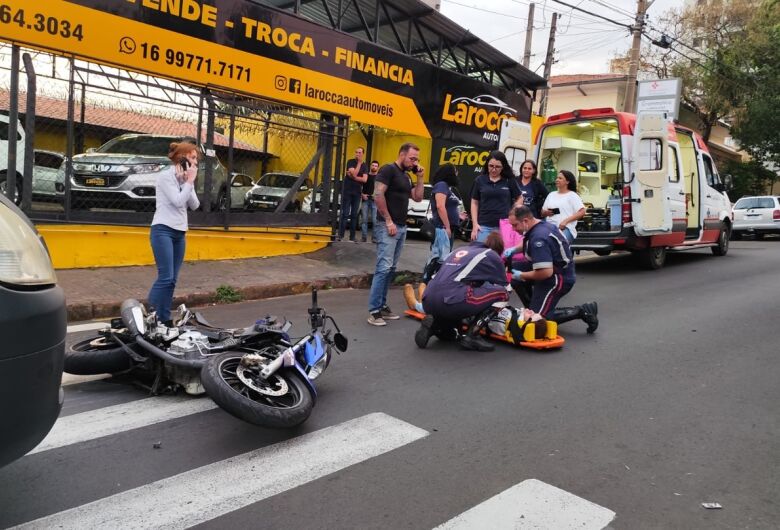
[
  {"x": 23, "y": 258},
  {"x": 147, "y": 168}
]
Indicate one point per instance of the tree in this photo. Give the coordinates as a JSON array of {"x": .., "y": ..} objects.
[
  {"x": 700, "y": 38},
  {"x": 757, "y": 104}
]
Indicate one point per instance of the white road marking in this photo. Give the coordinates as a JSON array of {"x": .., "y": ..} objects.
[
  {"x": 199, "y": 495},
  {"x": 89, "y": 326},
  {"x": 533, "y": 504},
  {"x": 97, "y": 423}
]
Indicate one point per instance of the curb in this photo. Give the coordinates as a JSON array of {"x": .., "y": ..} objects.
[{"x": 82, "y": 311}]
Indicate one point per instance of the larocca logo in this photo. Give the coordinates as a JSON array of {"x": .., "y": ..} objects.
[
  {"x": 463, "y": 155},
  {"x": 484, "y": 111}
]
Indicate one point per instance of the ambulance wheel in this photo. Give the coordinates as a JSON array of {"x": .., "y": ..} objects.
[
  {"x": 722, "y": 248},
  {"x": 652, "y": 258}
]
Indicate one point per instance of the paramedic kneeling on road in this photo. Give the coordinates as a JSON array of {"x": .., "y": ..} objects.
[
  {"x": 470, "y": 280},
  {"x": 551, "y": 270}
]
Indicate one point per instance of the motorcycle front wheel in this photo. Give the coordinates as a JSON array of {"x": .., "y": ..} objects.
[
  {"x": 96, "y": 355},
  {"x": 281, "y": 401}
]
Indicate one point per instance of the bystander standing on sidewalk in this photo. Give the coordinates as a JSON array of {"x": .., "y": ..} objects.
[
  {"x": 357, "y": 174},
  {"x": 392, "y": 190},
  {"x": 369, "y": 206},
  {"x": 175, "y": 193},
  {"x": 445, "y": 217}
]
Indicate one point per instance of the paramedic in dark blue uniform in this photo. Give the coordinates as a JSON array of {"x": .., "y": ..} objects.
[
  {"x": 550, "y": 270},
  {"x": 469, "y": 282}
]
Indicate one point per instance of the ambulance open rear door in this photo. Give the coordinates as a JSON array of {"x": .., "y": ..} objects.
[
  {"x": 515, "y": 142},
  {"x": 650, "y": 175}
]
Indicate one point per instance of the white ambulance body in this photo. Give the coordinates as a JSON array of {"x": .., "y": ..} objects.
[{"x": 648, "y": 186}]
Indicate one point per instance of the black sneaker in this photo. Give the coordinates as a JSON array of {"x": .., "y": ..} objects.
[
  {"x": 375, "y": 319},
  {"x": 387, "y": 314},
  {"x": 475, "y": 343},
  {"x": 363, "y": 239},
  {"x": 423, "y": 334},
  {"x": 590, "y": 316}
]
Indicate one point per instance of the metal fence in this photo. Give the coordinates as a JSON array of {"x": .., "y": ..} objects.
[{"x": 91, "y": 141}]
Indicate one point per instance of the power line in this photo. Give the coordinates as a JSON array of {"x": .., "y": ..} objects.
[
  {"x": 485, "y": 10},
  {"x": 627, "y": 26}
]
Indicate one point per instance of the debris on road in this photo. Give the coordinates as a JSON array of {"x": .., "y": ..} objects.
[{"x": 712, "y": 505}]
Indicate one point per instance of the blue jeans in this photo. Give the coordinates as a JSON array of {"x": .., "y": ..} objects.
[
  {"x": 350, "y": 206},
  {"x": 168, "y": 247},
  {"x": 441, "y": 246},
  {"x": 484, "y": 231},
  {"x": 388, "y": 251},
  {"x": 369, "y": 209}
]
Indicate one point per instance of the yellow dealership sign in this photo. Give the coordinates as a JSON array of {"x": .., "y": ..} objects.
[{"x": 187, "y": 40}]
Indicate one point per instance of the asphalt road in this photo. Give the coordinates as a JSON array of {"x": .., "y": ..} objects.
[{"x": 672, "y": 403}]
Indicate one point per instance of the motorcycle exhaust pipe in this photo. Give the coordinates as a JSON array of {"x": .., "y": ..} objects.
[
  {"x": 167, "y": 357},
  {"x": 132, "y": 313}
]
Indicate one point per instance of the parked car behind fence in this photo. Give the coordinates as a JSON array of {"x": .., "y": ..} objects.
[{"x": 123, "y": 173}]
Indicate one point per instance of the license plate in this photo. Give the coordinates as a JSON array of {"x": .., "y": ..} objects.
[{"x": 95, "y": 181}]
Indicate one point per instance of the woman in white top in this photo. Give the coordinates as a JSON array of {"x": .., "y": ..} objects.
[
  {"x": 564, "y": 207},
  {"x": 175, "y": 193}
]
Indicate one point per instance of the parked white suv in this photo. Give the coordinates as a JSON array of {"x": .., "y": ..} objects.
[
  {"x": 123, "y": 173},
  {"x": 756, "y": 216}
]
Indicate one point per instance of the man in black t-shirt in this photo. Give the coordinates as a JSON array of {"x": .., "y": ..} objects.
[
  {"x": 369, "y": 206},
  {"x": 357, "y": 174},
  {"x": 392, "y": 190}
]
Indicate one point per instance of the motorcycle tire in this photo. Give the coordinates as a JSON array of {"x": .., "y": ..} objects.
[
  {"x": 222, "y": 384},
  {"x": 96, "y": 356}
]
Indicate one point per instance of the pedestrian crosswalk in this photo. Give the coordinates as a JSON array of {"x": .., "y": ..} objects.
[
  {"x": 202, "y": 494},
  {"x": 119, "y": 418}
]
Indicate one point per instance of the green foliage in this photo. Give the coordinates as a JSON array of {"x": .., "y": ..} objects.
[
  {"x": 749, "y": 178},
  {"x": 757, "y": 57},
  {"x": 227, "y": 294}
]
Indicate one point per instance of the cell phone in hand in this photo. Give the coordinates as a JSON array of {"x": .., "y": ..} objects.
[
  {"x": 415, "y": 169},
  {"x": 555, "y": 211},
  {"x": 185, "y": 164}
]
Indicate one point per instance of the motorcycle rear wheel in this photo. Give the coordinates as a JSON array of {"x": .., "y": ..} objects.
[
  {"x": 223, "y": 385},
  {"x": 96, "y": 355}
]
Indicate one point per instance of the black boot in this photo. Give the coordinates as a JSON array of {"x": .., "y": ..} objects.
[
  {"x": 475, "y": 343},
  {"x": 565, "y": 314},
  {"x": 423, "y": 334},
  {"x": 590, "y": 313}
]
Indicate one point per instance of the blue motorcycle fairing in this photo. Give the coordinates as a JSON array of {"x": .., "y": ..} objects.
[
  {"x": 306, "y": 380},
  {"x": 313, "y": 352}
]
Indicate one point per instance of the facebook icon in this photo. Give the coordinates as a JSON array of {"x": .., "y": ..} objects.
[{"x": 294, "y": 86}]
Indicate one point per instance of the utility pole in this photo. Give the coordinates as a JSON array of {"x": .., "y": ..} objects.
[
  {"x": 548, "y": 64},
  {"x": 528, "y": 35},
  {"x": 633, "y": 64}
]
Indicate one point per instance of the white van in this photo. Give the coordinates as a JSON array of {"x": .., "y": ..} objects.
[
  {"x": 649, "y": 186},
  {"x": 4, "y": 171}
]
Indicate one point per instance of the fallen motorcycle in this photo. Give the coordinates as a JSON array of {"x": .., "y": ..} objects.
[{"x": 257, "y": 373}]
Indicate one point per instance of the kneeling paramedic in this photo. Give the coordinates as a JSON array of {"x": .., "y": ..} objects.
[
  {"x": 550, "y": 272},
  {"x": 471, "y": 279}
]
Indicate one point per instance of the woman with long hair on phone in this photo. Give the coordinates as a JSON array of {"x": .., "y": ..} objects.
[
  {"x": 563, "y": 207},
  {"x": 175, "y": 193}
]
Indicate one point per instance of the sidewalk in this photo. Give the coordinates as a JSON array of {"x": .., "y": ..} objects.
[{"x": 97, "y": 293}]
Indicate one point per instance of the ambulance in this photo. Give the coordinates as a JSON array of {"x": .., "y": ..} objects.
[{"x": 649, "y": 186}]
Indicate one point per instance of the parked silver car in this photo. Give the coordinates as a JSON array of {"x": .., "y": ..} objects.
[
  {"x": 756, "y": 216},
  {"x": 271, "y": 188},
  {"x": 123, "y": 172}
]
